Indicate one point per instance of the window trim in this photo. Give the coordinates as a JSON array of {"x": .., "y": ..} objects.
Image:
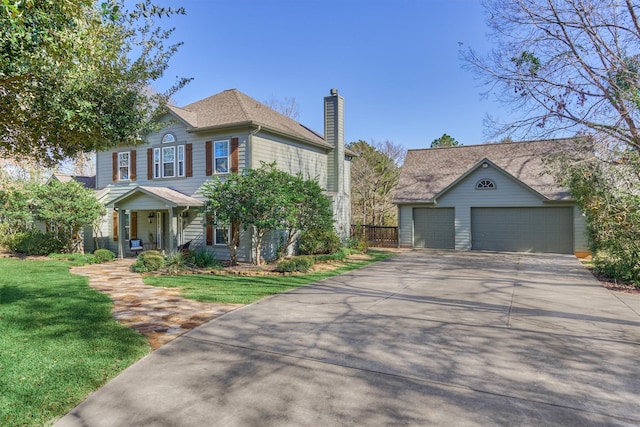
[
  {"x": 215, "y": 235},
  {"x": 215, "y": 158},
  {"x": 486, "y": 184},
  {"x": 179, "y": 165},
  {"x": 128, "y": 178}
]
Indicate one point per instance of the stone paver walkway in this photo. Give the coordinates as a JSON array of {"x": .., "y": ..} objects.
[{"x": 160, "y": 314}]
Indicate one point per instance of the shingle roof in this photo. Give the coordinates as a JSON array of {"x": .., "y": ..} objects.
[
  {"x": 426, "y": 173},
  {"x": 233, "y": 107},
  {"x": 87, "y": 181},
  {"x": 170, "y": 197}
]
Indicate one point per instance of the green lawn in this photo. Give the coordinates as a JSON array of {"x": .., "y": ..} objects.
[
  {"x": 58, "y": 341},
  {"x": 247, "y": 289}
]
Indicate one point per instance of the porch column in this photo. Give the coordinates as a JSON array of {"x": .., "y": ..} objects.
[
  {"x": 172, "y": 231},
  {"x": 121, "y": 233}
]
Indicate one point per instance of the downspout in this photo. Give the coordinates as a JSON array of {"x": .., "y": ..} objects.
[{"x": 249, "y": 164}]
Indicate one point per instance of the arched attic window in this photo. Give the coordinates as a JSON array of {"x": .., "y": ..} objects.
[
  {"x": 485, "y": 184},
  {"x": 168, "y": 138}
]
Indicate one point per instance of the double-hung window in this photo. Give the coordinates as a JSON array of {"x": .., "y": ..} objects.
[
  {"x": 180, "y": 160},
  {"x": 221, "y": 156},
  {"x": 124, "y": 166},
  {"x": 169, "y": 162}
]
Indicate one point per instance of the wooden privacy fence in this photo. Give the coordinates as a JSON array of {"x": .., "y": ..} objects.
[{"x": 376, "y": 236}]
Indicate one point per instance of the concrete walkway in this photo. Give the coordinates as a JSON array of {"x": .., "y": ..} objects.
[
  {"x": 425, "y": 338},
  {"x": 160, "y": 314}
]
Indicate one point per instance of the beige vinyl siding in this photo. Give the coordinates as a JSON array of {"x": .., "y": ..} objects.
[
  {"x": 465, "y": 195},
  {"x": 188, "y": 186},
  {"x": 347, "y": 180},
  {"x": 291, "y": 157},
  {"x": 580, "y": 238},
  {"x": 405, "y": 226}
]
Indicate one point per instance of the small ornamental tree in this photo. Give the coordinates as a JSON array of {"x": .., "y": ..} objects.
[
  {"x": 226, "y": 206},
  {"x": 66, "y": 208},
  {"x": 271, "y": 206},
  {"x": 312, "y": 210},
  {"x": 265, "y": 200}
]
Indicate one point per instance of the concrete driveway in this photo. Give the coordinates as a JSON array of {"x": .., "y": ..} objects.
[{"x": 425, "y": 338}]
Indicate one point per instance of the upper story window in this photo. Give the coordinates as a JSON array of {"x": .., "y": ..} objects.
[
  {"x": 168, "y": 162},
  {"x": 124, "y": 166},
  {"x": 169, "y": 138},
  {"x": 221, "y": 156},
  {"x": 485, "y": 184}
]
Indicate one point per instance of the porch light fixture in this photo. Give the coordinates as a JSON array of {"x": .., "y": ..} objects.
[{"x": 151, "y": 216}]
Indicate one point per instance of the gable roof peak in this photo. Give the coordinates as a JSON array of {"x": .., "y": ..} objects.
[{"x": 427, "y": 172}]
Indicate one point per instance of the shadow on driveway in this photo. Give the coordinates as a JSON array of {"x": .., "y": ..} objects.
[{"x": 427, "y": 337}]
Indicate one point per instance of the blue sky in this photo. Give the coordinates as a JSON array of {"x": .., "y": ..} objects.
[{"x": 396, "y": 62}]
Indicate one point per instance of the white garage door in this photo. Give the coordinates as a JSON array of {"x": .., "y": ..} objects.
[
  {"x": 523, "y": 229},
  {"x": 434, "y": 228}
]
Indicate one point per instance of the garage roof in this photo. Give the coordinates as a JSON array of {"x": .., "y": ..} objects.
[{"x": 427, "y": 173}]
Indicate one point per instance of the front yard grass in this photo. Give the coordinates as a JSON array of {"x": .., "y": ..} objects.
[
  {"x": 58, "y": 341},
  {"x": 235, "y": 289}
]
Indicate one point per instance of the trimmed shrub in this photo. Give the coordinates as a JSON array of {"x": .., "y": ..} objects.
[
  {"x": 339, "y": 255},
  {"x": 148, "y": 261},
  {"x": 620, "y": 268},
  {"x": 299, "y": 263},
  {"x": 175, "y": 262},
  {"x": 35, "y": 242},
  {"x": 202, "y": 258},
  {"x": 104, "y": 255},
  {"x": 313, "y": 242}
]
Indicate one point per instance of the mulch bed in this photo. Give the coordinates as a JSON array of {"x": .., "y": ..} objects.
[{"x": 614, "y": 286}]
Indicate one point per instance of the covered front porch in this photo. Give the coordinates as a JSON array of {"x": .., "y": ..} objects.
[{"x": 157, "y": 216}]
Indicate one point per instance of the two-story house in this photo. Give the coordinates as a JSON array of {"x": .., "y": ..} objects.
[{"x": 152, "y": 190}]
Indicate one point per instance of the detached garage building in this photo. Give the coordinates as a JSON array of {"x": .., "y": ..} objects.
[{"x": 495, "y": 197}]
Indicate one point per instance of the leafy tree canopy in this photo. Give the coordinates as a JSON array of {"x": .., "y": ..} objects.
[
  {"x": 74, "y": 75},
  {"x": 263, "y": 200},
  {"x": 565, "y": 66},
  {"x": 445, "y": 141}
]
